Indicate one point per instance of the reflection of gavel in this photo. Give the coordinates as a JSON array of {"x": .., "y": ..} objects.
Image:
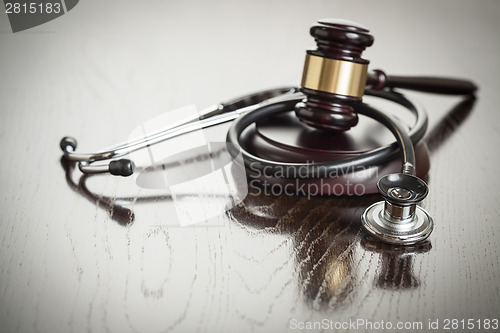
[{"x": 335, "y": 77}]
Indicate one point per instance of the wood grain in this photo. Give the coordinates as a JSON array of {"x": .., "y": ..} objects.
[{"x": 98, "y": 254}]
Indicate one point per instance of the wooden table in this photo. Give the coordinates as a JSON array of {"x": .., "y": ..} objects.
[{"x": 72, "y": 258}]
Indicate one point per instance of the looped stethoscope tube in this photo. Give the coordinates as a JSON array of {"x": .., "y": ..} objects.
[
  {"x": 377, "y": 156},
  {"x": 397, "y": 220}
]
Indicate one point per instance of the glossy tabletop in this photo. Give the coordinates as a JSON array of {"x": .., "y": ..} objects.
[{"x": 100, "y": 254}]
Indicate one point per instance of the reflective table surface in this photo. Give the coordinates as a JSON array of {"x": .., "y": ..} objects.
[{"x": 99, "y": 254}]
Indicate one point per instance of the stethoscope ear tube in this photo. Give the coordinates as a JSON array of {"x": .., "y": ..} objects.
[{"x": 212, "y": 116}]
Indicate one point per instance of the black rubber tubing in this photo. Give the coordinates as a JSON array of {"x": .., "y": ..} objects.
[{"x": 403, "y": 145}]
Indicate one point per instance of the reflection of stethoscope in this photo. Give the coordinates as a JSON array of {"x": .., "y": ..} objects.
[{"x": 334, "y": 81}]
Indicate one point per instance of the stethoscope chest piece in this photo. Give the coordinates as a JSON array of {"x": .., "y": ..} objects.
[{"x": 398, "y": 219}]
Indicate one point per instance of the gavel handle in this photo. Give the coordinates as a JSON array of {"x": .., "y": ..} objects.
[{"x": 446, "y": 86}]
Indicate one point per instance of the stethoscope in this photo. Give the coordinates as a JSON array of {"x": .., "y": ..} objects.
[{"x": 327, "y": 79}]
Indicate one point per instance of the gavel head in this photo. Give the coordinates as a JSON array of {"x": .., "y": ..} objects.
[{"x": 334, "y": 76}]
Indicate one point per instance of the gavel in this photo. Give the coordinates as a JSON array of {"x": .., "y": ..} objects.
[{"x": 335, "y": 77}]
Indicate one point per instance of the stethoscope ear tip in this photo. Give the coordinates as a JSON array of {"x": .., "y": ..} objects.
[
  {"x": 123, "y": 167},
  {"x": 68, "y": 142}
]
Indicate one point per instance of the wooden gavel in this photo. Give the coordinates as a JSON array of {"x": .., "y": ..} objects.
[{"x": 335, "y": 77}]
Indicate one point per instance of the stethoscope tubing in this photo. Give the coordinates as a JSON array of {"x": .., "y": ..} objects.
[
  {"x": 249, "y": 109},
  {"x": 404, "y": 140}
]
